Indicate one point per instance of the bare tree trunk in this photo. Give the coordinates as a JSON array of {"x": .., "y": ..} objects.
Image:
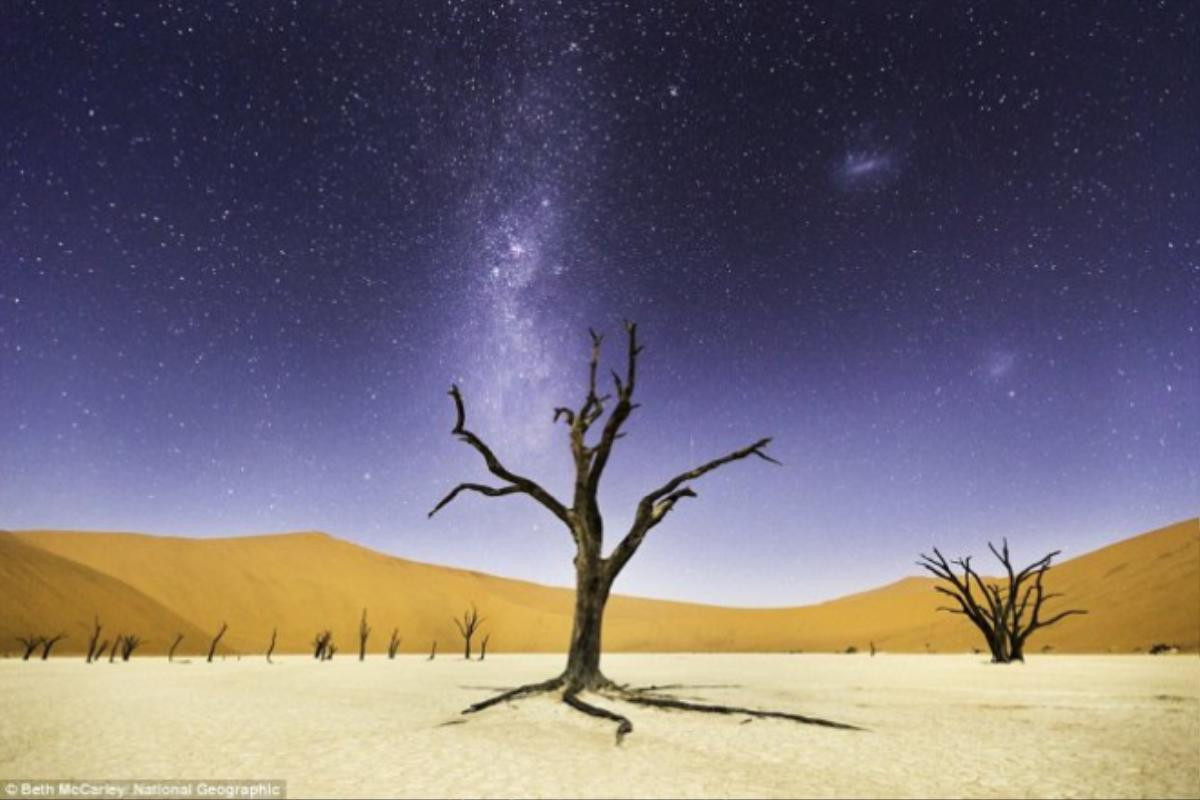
[
  {"x": 271, "y": 648},
  {"x": 174, "y": 644},
  {"x": 30, "y": 643},
  {"x": 49, "y": 643},
  {"x": 91, "y": 651},
  {"x": 364, "y": 630},
  {"x": 433, "y": 652},
  {"x": 394, "y": 643},
  {"x": 100, "y": 651},
  {"x": 583, "y": 658},
  {"x": 483, "y": 647},
  {"x": 321, "y": 644},
  {"x": 212, "y": 648},
  {"x": 112, "y": 654}
]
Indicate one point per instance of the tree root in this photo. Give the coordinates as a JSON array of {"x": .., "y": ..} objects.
[
  {"x": 645, "y": 697},
  {"x": 513, "y": 694},
  {"x": 624, "y": 726}
]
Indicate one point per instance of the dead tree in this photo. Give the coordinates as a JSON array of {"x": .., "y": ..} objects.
[
  {"x": 483, "y": 647},
  {"x": 330, "y": 651},
  {"x": 174, "y": 644},
  {"x": 128, "y": 645},
  {"x": 394, "y": 643},
  {"x": 433, "y": 652},
  {"x": 212, "y": 648},
  {"x": 364, "y": 630},
  {"x": 271, "y": 647},
  {"x": 321, "y": 644},
  {"x": 100, "y": 651},
  {"x": 95, "y": 638},
  {"x": 594, "y": 571},
  {"x": 112, "y": 653},
  {"x": 1007, "y": 611},
  {"x": 467, "y": 626},
  {"x": 47, "y": 644},
  {"x": 30, "y": 643}
]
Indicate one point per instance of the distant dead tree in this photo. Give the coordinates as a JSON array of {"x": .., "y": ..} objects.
[
  {"x": 321, "y": 644},
  {"x": 212, "y": 648},
  {"x": 95, "y": 638},
  {"x": 174, "y": 644},
  {"x": 128, "y": 645},
  {"x": 47, "y": 644},
  {"x": 433, "y": 652},
  {"x": 330, "y": 652},
  {"x": 872, "y": 649},
  {"x": 364, "y": 630},
  {"x": 483, "y": 647},
  {"x": 394, "y": 643},
  {"x": 1005, "y": 613},
  {"x": 595, "y": 572},
  {"x": 467, "y": 626},
  {"x": 30, "y": 643},
  {"x": 100, "y": 651},
  {"x": 271, "y": 647},
  {"x": 112, "y": 653}
]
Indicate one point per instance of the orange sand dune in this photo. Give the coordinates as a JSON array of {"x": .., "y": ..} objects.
[{"x": 1138, "y": 591}]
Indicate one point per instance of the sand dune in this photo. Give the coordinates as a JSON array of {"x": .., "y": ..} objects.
[{"x": 1138, "y": 591}]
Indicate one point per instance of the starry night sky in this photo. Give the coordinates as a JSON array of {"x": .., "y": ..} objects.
[{"x": 946, "y": 254}]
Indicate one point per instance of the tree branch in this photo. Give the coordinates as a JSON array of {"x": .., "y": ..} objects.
[
  {"x": 519, "y": 482},
  {"x": 650, "y": 510},
  {"x": 490, "y": 491}
]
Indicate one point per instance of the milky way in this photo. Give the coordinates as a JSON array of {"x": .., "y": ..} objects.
[{"x": 946, "y": 256}]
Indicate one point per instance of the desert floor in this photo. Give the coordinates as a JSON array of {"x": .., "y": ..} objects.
[{"x": 936, "y": 726}]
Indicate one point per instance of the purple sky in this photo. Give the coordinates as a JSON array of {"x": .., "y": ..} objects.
[{"x": 946, "y": 256}]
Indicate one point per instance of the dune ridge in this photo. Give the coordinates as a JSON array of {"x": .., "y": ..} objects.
[{"x": 1138, "y": 591}]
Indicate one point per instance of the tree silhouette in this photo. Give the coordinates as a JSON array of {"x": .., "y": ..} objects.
[
  {"x": 321, "y": 644},
  {"x": 1005, "y": 613},
  {"x": 595, "y": 572},
  {"x": 128, "y": 645},
  {"x": 364, "y": 630},
  {"x": 212, "y": 648},
  {"x": 47, "y": 644},
  {"x": 271, "y": 647},
  {"x": 394, "y": 643},
  {"x": 483, "y": 647},
  {"x": 467, "y": 626},
  {"x": 174, "y": 644},
  {"x": 95, "y": 638},
  {"x": 30, "y": 643}
]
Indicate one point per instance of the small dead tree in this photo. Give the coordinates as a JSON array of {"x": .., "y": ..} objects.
[
  {"x": 94, "y": 640},
  {"x": 271, "y": 647},
  {"x": 330, "y": 652},
  {"x": 100, "y": 651},
  {"x": 212, "y": 648},
  {"x": 596, "y": 572},
  {"x": 1005, "y": 612},
  {"x": 47, "y": 644},
  {"x": 128, "y": 645},
  {"x": 30, "y": 643},
  {"x": 364, "y": 630},
  {"x": 467, "y": 626},
  {"x": 174, "y": 645},
  {"x": 394, "y": 643},
  {"x": 483, "y": 647},
  {"x": 321, "y": 644},
  {"x": 433, "y": 652}
]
